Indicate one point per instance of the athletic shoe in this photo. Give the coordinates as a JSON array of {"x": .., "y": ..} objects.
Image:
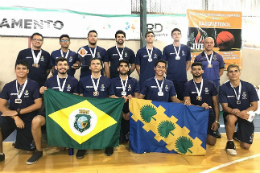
[
  {"x": 235, "y": 137},
  {"x": 35, "y": 157},
  {"x": 109, "y": 151},
  {"x": 80, "y": 154},
  {"x": 2, "y": 157},
  {"x": 218, "y": 135},
  {"x": 231, "y": 148}
]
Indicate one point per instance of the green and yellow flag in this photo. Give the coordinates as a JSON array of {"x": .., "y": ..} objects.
[{"x": 83, "y": 123}]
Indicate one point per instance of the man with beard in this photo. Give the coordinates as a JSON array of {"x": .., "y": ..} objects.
[
  {"x": 119, "y": 52},
  {"x": 178, "y": 57},
  {"x": 146, "y": 58},
  {"x": 202, "y": 92},
  {"x": 61, "y": 82},
  {"x": 65, "y": 52},
  {"x": 95, "y": 86},
  {"x": 38, "y": 60},
  {"x": 158, "y": 88},
  {"x": 25, "y": 100},
  {"x": 126, "y": 87},
  {"x": 92, "y": 51}
]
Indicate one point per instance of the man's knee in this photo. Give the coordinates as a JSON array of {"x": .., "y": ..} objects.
[
  {"x": 38, "y": 121},
  {"x": 211, "y": 140},
  {"x": 245, "y": 146},
  {"x": 231, "y": 119}
]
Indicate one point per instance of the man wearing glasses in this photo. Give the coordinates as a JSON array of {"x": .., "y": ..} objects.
[
  {"x": 37, "y": 58},
  {"x": 64, "y": 51}
]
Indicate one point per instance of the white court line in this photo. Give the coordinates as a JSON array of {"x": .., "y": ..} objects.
[{"x": 229, "y": 163}]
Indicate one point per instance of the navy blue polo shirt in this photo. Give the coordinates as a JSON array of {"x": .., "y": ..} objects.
[
  {"x": 146, "y": 67},
  {"x": 31, "y": 93},
  {"x": 150, "y": 90},
  {"x": 101, "y": 53},
  {"x": 208, "y": 91},
  {"x": 105, "y": 87},
  {"x": 71, "y": 85},
  {"x": 132, "y": 86},
  {"x": 72, "y": 59},
  {"x": 37, "y": 74},
  {"x": 176, "y": 70},
  {"x": 217, "y": 62},
  {"x": 113, "y": 57},
  {"x": 248, "y": 95}
]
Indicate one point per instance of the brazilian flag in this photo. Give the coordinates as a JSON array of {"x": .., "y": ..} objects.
[
  {"x": 82, "y": 123},
  {"x": 167, "y": 127}
]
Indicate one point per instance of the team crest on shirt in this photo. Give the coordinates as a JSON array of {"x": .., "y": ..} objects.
[
  {"x": 155, "y": 56},
  {"x": 244, "y": 95},
  {"x": 183, "y": 53},
  {"x": 98, "y": 55},
  {"x": 70, "y": 59},
  {"x": 129, "y": 87},
  {"x": 166, "y": 88},
  {"x": 215, "y": 57},
  {"x": 26, "y": 93},
  {"x": 68, "y": 88},
  {"x": 206, "y": 90},
  {"x": 102, "y": 88},
  {"x": 42, "y": 58},
  {"x": 125, "y": 54}
]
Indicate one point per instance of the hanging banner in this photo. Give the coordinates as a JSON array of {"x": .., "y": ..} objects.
[
  {"x": 224, "y": 27},
  {"x": 18, "y": 21}
]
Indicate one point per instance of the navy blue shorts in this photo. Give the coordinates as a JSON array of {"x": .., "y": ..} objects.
[
  {"x": 245, "y": 129},
  {"x": 24, "y": 136}
]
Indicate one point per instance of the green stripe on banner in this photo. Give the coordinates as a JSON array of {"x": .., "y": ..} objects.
[{"x": 83, "y": 13}]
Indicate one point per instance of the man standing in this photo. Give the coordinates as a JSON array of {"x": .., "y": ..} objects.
[
  {"x": 25, "y": 100},
  {"x": 119, "y": 52},
  {"x": 178, "y": 57},
  {"x": 237, "y": 98},
  {"x": 146, "y": 58},
  {"x": 92, "y": 51},
  {"x": 64, "y": 51},
  {"x": 158, "y": 88},
  {"x": 202, "y": 92},
  {"x": 38, "y": 60},
  {"x": 96, "y": 86},
  {"x": 126, "y": 87},
  {"x": 61, "y": 82},
  {"x": 212, "y": 62}
]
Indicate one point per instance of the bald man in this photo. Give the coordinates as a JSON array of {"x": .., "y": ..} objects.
[{"x": 212, "y": 62}]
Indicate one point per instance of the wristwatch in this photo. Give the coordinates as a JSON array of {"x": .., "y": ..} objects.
[
  {"x": 18, "y": 111},
  {"x": 217, "y": 121}
]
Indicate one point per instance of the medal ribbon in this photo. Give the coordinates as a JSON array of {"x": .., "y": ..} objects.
[
  {"x": 94, "y": 85},
  {"x": 197, "y": 89},
  {"x": 20, "y": 92},
  {"x": 36, "y": 59}
]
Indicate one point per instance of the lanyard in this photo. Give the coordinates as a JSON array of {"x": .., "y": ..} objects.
[
  {"x": 93, "y": 82},
  {"x": 160, "y": 88},
  {"x": 93, "y": 54},
  {"x": 63, "y": 85},
  {"x": 120, "y": 54},
  {"x": 239, "y": 90},
  {"x": 209, "y": 60},
  {"x": 62, "y": 55},
  {"x": 177, "y": 52},
  {"x": 124, "y": 86},
  {"x": 36, "y": 59},
  {"x": 20, "y": 92},
  {"x": 149, "y": 54},
  {"x": 197, "y": 89}
]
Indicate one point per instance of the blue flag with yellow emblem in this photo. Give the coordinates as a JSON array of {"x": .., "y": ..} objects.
[{"x": 167, "y": 127}]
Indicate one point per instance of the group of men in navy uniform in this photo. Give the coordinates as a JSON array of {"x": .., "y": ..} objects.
[{"x": 107, "y": 74}]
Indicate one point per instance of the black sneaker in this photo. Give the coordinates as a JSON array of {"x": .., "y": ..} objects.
[
  {"x": 218, "y": 135},
  {"x": 2, "y": 157},
  {"x": 231, "y": 148},
  {"x": 80, "y": 154},
  {"x": 109, "y": 151},
  {"x": 35, "y": 157}
]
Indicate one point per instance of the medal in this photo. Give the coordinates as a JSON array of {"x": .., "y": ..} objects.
[
  {"x": 209, "y": 59},
  {"x": 160, "y": 93},
  {"x": 209, "y": 65},
  {"x": 124, "y": 93},
  {"x": 177, "y": 53},
  {"x": 199, "y": 91},
  {"x": 20, "y": 92},
  {"x": 36, "y": 59},
  {"x": 238, "y": 102},
  {"x": 120, "y": 54},
  {"x": 63, "y": 85},
  {"x": 95, "y": 93},
  {"x": 93, "y": 54},
  {"x": 149, "y": 54},
  {"x": 18, "y": 101}
]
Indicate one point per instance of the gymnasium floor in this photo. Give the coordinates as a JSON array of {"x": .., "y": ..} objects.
[{"x": 123, "y": 160}]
